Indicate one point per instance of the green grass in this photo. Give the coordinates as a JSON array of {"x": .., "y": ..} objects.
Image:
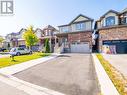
[
  {"x": 118, "y": 80},
  {"x": 4, "y": 62}
]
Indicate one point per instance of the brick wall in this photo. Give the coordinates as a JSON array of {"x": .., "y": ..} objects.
[
  {"x": 83, "y": 37},
  {"x": 114, "y": 33}
]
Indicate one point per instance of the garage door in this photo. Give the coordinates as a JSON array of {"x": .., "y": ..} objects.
[
  {"x": 121, "y": 45},
  {"x": 80, "y": 48}
]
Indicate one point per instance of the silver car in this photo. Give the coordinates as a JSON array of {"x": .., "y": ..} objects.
[{"x": 19, "y": 51}]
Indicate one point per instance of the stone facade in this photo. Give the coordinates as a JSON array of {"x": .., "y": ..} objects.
[
  {"x": 112, "y": 33},
  {"x": 82, "y": 37}
]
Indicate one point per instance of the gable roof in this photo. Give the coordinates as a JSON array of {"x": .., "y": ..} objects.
[
  {"x": 49, "y": 27},
  {"x": 124, "y": 10},
  {"x": 37, "y": 30},
  {"x": 23, "y": 29},
  {"x": 112, "y": 11},
  {"x": 80, "y": 15}
]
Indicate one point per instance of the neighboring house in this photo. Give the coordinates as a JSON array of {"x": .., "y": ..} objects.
[
  {"x": 15, "y": 39},
  {"x": 49, "y": 33},
  {"x": 77, "y": 35},
  {"x": 111, "y": 29}
]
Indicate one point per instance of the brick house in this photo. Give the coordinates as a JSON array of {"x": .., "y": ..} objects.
[
  {"x": 47, "y": 32},
  {"x": 77, "y": 35},
  {"x": 111, "y": 29}
]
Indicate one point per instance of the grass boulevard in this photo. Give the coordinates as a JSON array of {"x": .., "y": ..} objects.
[{"x": 7, "y": 61}]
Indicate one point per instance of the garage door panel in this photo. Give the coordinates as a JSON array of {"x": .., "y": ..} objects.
[
  {"x": 80, "y": 48},
  {"x": 121, "y": 45}
]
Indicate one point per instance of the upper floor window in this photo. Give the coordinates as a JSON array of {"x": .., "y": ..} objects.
[
  {"x": 46, "y": 33},
  {"x": 110, "y": 21},
  {"x": 65, "y": 29},
  {"x": 124, "y": 19},
  {"x": 80, "y": 26}
]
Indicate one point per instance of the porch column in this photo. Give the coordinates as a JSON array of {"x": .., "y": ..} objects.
[{"x": 50, "y": 44}]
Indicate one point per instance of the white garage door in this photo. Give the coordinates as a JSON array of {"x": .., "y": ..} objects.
[{"x": 80, "y": 48}]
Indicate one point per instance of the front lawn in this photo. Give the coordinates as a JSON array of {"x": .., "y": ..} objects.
[{"x": 4, "y": 62}]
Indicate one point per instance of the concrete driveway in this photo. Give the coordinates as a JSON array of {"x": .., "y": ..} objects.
[
  {"x": 119, "y": 61},
  {"x": 70, "y": 74}
]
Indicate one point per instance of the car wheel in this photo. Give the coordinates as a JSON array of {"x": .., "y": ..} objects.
[{"x": 18, "y": 53}]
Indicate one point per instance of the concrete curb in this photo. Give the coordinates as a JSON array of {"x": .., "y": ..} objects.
[{"x": 106, "y": 85}]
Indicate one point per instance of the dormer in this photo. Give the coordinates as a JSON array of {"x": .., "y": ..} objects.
[
  {"x": 123, "y": 17},
  {"x": 110, "y": 18},
  {"x": 80, "y": 23}
]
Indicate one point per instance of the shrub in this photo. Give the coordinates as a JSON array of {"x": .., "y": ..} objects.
[{"x": 47, "y": 46}]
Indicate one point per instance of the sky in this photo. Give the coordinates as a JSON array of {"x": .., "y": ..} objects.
[{"x": 41, "y": 13}]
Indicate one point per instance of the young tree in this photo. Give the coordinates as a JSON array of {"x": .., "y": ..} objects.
[
  {"x": 30, "y": 38},
  {"x": 47, "y": 46},
  {"x": 1, "y": 39}
]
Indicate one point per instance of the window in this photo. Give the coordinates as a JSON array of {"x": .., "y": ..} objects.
[
  {"x": 80, "y": 26},
  {"x": 46, "y": 33},
  {"x": 110, "y": 21},
  {"x": 65, "y": 29}
]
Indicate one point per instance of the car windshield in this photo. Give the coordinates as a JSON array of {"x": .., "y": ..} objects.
[{"x": 13, "y": 49}]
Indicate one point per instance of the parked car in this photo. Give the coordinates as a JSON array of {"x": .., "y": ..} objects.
[
  {"x": 2, "y": 49},
  {"x": 19, "y": 51}
]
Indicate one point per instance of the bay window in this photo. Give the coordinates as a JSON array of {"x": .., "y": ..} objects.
[{"x": 110, "y": 21}]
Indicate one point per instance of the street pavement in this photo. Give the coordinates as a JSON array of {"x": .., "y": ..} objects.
[
  {"x": 6, "y": 89},
  {"x": 70, "y": 74}
]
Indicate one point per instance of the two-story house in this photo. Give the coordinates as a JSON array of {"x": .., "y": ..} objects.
[
  {"x": 49, "y": 33},
  {"x": 111, "y": 29},
  {"x": 15, "y": 39},
  {"x": 77, "y": 35}
]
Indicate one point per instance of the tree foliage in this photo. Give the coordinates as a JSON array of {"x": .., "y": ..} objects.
[
  {"x": 47, "y": 46},
  {"x": 1, "y": 39},
  {"x": 30, "y": 38}
]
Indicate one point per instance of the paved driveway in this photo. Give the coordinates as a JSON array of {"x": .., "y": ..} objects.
[
  {"x": 71, "y": 74},
  {"x": 119, "y": 61}
]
